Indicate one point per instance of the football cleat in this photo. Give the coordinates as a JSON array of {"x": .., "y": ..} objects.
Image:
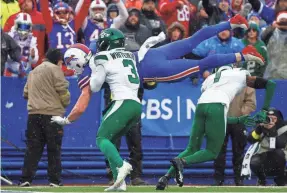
[
  {"x": 122, "y": 173},
  {"x": 122, "y": 188},
  {"x": 162, "y": 183},
  {"x": 250, "y": 54},
  {"x": 178, "y": 166},
  {"x": 238, "y": 21}
]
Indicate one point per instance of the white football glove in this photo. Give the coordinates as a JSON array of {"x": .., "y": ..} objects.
[{"x": 59, "y": 120}]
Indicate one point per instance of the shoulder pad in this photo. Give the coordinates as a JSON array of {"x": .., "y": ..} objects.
[
  {"x": 84, "y": 78},
  {"x": 100, "y": 59}
]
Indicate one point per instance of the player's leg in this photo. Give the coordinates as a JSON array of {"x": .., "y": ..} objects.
[
  {"x": 195, "y": 141},
  {"x": 214, "y": 131},
  {"x": 182, "y": 47},
  {"x": 215, "y": 125},
  {"x": 114, "y": 125},
  {"x": 176, "y": 70}
]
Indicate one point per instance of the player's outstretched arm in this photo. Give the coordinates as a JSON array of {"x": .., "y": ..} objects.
[
  {"x": 81, "y": 105},
  {"x": 79, "y": 108},
  {"x": 261, "y": 83}
]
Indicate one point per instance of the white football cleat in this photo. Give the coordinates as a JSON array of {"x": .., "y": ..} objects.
[
  {"x": 122, "y": 173},
  {"x": 121, "y": 188}
]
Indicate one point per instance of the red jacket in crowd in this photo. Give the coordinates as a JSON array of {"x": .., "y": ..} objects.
[{"x": 178, "y": 10}]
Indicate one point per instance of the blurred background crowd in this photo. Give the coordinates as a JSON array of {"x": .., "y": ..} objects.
[{"x": 47, "y": 24}]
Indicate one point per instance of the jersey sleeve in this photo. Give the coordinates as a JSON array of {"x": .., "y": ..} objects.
[
  {"x": 84, "y": 78},
  {"x": 122, "y": 17},
  {"x": 267, "y": 13},
  {"x": 150, "y": 42},
  {"x": 101, "y": 59},
  {"x": 33, "y": 45}
]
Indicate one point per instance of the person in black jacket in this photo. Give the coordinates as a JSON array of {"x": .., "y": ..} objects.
[
  {"x": 150, "y": 19},
  {"x": 270, "y": 158},
  {"x": 135, "y": 32},
  {"x": 8, "y": 48}
]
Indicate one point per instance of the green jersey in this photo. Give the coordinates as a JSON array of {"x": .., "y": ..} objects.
[{"x": 253, "y": 67}]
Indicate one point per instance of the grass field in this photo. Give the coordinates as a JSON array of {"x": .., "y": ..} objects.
[{"x": 79, "y": 189}]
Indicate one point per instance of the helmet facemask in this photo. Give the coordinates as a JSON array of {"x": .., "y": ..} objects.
[
  {"x": 97, "y": 11},
  {"x": 23, "y": 29}
]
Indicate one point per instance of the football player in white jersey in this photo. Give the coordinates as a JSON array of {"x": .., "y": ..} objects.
[
  {"x": 21, "y": 32},
  {"x": 116, "y": 67},
  {"x": 210, "y": 118}
]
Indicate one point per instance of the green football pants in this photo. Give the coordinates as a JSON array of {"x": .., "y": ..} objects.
[
  {"x": 116, "y": 122},
  {"x": 209, "y": 122}
]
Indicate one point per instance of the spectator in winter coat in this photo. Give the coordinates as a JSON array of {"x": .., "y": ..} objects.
[
  {"x": 217, "y": 11},
  {"x": 8, "y": 48},
  {"x": 150, "y": 19},
  {"x": 275, "y": 37},
  {"x": 175, "y": 32},
  {"x": 267, "y": 13},
  {"x": 178, "y": 10},
  {"x": 252, "y": 38},
  {"x": 8, "y": 8},
  {"x": 223, "y": 43},
  {"x": 135, "y": 33}
]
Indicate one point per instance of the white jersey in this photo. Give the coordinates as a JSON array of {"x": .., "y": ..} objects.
[
  {"x": 223, "y": 86},
  {"x": 26, "y": 46},
  {"x": 120, "y": 73}
]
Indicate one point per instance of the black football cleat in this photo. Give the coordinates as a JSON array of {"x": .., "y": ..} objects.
[
  {"x": 178, "y": 166},
  {"x": 162, "y": 183}
]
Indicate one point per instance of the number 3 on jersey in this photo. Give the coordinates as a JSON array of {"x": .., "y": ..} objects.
[{"x": 133, "y": 78}]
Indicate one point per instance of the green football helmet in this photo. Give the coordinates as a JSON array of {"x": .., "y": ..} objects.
[{"x": 110, "y": 39}]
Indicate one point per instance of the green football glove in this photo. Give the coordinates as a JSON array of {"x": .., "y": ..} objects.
[
  {"x": 261, "y": 117},
  {"x": 247, "y": 120}
]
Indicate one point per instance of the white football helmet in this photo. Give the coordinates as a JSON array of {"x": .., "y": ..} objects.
[
  {"x": 77, "y": 57},
  {"x": 98, "y": 10},
  {"x": 23, "y": 25}
]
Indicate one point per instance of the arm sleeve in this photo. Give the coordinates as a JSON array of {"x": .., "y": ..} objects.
[
  {"x": 166, "y": 7},
  {"x": 150, "y": 42},
  {"x": 61, "y": 86},
  {"x": 266, "y": 34},
  {"x": 14, "y": 49},
  {"x": 281, "y": 141},
  {"x": 207, "y": 7},
  {"x": 46, "y": 14},
  {"x": 77, "y": 10},
  {"x": 34, "y": 46},
  {"x": 201, "y": 50},
  {"x": 249, "y": 104},
  {"x": 9, "y": 23},
  {"x": 81, "y": 15},
  {"x": 267, "y": 13},
  {"x": 122, "y": 17},
  {"x": 256, "y": 4},
  {"x": 97, "y": 78},
  {"x": 253, "y": 137}
]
